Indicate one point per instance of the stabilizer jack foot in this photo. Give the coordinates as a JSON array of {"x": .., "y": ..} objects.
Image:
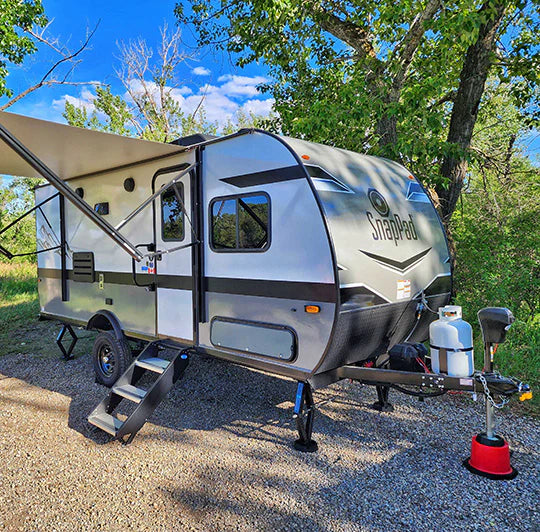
[
  {"x": 382, "y": 407},
  {"x": 382, "y": 404},
  {"x": 304, "y": 410},
  {"x": 306, "y": 447}
]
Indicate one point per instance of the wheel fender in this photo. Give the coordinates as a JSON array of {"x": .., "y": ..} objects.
[{"x": 105, "y": 320}]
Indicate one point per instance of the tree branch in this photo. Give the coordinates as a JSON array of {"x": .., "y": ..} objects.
[
  {"x": 66, "y": 57},
  {"x": 407, "y": 48},
  {"x": 449, "y": 97},
  {"x": 345, "y": 30}
]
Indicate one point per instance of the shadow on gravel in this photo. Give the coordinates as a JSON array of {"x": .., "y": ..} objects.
[
  {"x": 398, "y": 471},
  {"x": 213, "y": 394}
]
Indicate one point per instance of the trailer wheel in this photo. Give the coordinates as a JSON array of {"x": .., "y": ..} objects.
[{"x": 111, "y": 357}]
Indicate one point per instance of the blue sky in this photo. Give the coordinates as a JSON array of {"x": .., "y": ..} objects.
[{"x": 227, "y": 87}]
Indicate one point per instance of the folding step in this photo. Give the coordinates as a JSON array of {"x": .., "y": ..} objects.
[
  {"x": 168, "y": 372},
  {"x": 130, "y": 392},
  {"x": 157, "y": 365},
  {"x": 106, "y": 422}
]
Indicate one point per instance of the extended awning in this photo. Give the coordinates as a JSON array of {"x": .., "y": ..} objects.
[
  {"x": 31, "y": 147},
  {"x": 72, "y": 151}
]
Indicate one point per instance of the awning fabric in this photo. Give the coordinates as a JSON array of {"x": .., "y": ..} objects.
[{"x": 71, "y": 151}]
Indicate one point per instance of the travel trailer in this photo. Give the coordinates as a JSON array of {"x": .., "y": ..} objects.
[{"x": 299, "y": 259}]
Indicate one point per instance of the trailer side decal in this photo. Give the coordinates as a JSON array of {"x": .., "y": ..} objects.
[
  {"x": 276, "y": 175},
  {"x": 401, "y": 266},
  {"x": 301, "y": 290}
]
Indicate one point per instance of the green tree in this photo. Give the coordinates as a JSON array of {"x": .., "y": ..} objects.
[
  {"x": 398, "y": 79},
  {"x": 496, "y": 233},
  {"x": 23, "y": 29},
  {"x": 15, "y": 199},
  {"x": 16, "y": 18}
]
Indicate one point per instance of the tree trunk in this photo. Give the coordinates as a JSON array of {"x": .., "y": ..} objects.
[{"x": 472, "y": 80}]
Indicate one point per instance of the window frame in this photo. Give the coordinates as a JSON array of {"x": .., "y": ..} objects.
[
  {"x": 236, "y": 197},
  {"x": 179, "y": 186}
]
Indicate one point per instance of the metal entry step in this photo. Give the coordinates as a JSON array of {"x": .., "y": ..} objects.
[
  {"x": 106, "y": 422},
  {"x": 127, "y": 391},
  {"x": 158, "y": 365},
  {"x": 166, "y": 373}
]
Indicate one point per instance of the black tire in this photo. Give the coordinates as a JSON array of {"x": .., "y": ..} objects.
[{"x": 111, "y": 357}]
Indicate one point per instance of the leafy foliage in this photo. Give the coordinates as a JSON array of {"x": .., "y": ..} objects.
[
  {"x": 15, "y": 44},
  {"x": 497, "y": 236},
  {"x": 15, "y": 200},
  {"x": 346, "y": 72}
]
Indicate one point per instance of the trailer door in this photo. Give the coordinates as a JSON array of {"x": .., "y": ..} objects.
[{"x": 174, "y": 269}]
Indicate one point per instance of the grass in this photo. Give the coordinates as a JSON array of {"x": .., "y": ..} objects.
[
  {"x": 20, "y": 331},
  {"x": 18, "y": 295}
]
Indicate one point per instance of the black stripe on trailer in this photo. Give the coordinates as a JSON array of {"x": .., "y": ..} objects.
[
  {"x": 305, "y": 291},
  {"x": 266, "y": 177},
  {"x": 308, "y": 291}
]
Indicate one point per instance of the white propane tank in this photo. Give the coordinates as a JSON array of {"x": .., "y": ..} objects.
[{"x": 451, "y": 343}]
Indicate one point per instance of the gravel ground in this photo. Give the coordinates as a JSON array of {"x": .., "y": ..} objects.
[{"x": 217, "y": 455}]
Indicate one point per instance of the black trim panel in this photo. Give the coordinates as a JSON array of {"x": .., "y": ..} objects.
[
  {"x": 277, "y": 175},
  {"x": 441, "y": 285},
  {"x": 306, "y": 291},
  {"x": 363, "y": 293},
  {"x": 317, "y": 292}
]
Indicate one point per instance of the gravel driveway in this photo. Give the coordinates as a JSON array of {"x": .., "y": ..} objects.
[{"x": 217, "y": 455}]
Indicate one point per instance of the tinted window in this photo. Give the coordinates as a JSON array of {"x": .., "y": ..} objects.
[
  {"x": 240, "y": 223},
  {"x": 224, "y": 224},
  {"x": 172, "y": 214}
]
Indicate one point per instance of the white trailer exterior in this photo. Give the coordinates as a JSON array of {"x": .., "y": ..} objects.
[
  {"x": 303, "y": 260},
  {"x": 355, "y": 237}
]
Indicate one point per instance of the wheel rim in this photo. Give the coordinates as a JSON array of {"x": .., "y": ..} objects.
[{"x": 106, "y": 360}]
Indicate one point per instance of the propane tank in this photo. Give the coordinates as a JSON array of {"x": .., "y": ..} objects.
[{"x": 451, "y": 343}]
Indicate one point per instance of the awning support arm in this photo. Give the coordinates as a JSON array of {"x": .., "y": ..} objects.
[
  {"x": 68, "y": 193},
  {"x": 38, "y": 206},
  {"x": 149, "y": 200}
]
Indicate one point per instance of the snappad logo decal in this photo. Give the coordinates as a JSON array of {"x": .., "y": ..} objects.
[
  {"x": 378, "y": 202},
  {"x": 388, "y": 227}
]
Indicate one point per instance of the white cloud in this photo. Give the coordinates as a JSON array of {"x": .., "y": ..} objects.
[
  {"x": 201, "y": 71},
  {"x": 85, "y": 101},
  {"x": 182, "y": 90},
  {"x": 259, "y": 107},
  {"x": 220, "y": 102}
]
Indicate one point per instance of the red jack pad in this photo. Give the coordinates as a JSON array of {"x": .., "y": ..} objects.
[{"x": 490, "y": 457}]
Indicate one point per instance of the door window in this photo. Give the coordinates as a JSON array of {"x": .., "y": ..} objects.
[{"x": 172, "y": 213}]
